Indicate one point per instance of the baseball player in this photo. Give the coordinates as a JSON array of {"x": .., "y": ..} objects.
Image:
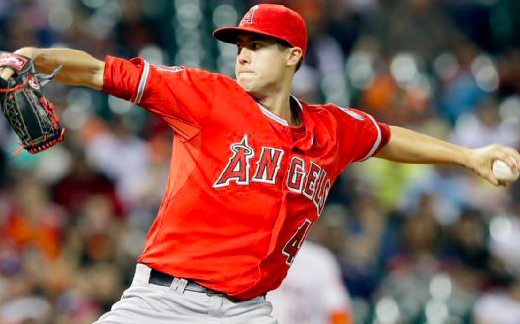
[
  {"x": 250, "y": 171},
  {"x": 313, "y": 291}
]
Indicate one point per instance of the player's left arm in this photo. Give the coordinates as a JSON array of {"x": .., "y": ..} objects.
[{"x": 407, "y": 146}]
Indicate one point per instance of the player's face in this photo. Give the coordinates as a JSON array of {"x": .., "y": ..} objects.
[{"x": 260, "y": 65}]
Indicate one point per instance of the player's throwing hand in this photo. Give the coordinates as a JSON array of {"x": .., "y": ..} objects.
[{"x": 480, "y": 160}]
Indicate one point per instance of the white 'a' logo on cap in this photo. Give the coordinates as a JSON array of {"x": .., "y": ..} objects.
[{"x": 249, "y": 16}]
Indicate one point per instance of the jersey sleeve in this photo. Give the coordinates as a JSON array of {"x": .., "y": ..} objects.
[
  {"x": 360, "y": 135},
  {"x": 182, "y": 97}
]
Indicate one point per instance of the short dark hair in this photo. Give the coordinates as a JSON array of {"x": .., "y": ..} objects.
[{"x": 285, "y": 45}]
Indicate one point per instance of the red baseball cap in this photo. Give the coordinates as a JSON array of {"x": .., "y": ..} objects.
[{"x": 272, "y": 20}]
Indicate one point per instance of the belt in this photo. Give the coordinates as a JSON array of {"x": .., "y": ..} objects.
[{"x": 164, "y": 279}]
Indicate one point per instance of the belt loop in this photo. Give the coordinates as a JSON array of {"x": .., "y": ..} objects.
[
  {"x": 174, "y": 284},
  {"x": 178, "y": 285},
  {"x": 181, "y": 286},
  {"x": 142, "y": 274}
]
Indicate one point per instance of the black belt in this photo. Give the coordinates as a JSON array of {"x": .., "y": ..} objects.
[{"x": 164, "y": 279}]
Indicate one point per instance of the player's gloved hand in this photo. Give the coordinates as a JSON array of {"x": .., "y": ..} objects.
[
  {"x": 30, "y": 114},
  {"x": 480, "y": 160}
]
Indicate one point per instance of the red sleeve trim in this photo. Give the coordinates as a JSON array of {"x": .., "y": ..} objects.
[
  {"x": 377, "y": 142},
  {"x": 386, "y": 133},
  {"x": 143, "y": 80},
  {"x": 123, "y": 78}
]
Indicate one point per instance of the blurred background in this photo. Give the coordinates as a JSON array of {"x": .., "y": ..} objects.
[{"x": 415, "y": 244}]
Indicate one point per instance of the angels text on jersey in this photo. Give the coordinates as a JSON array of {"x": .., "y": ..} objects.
[{"x": 303, "y": 176}]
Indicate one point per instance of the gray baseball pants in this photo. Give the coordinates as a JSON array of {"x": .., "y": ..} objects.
[{"x": 145, "y": 303}]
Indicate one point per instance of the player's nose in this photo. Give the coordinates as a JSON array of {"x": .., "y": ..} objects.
[{"x": 244, "y": 55}]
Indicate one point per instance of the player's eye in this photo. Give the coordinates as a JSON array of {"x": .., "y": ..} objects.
[{"x": 253, "y": 46}]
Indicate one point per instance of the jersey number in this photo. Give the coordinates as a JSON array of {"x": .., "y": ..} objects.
[{"x": 295, "y": 242}]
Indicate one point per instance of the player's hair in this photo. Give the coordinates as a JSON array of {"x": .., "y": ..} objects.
[{"x": 284, "y": 45}]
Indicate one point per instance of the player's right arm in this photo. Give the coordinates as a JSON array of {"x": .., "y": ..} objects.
[
  {"x": 78, "y": 68},
  {"x": 182, "y": 97}
]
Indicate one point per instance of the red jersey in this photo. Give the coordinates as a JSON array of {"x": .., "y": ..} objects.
[{"x": 244, "y": 187}]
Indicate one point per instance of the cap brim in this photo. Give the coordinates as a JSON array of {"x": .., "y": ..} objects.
[{"x": 230, "y": 34}]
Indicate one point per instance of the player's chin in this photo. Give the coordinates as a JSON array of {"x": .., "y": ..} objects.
[{"x": 247, "y": 85}]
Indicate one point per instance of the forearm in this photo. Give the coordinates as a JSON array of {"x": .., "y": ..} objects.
[
  {"x": 407, "y": 146},
  {"x": 78, "y": 68}
]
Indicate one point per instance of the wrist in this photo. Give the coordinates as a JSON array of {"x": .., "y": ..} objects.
[
  {"x": 30, "y": 52},
  {"x": 465, "y": 157},
  {"x": 12, "y": 63}
]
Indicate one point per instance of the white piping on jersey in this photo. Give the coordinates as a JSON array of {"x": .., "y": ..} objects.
[
  {"x": 273, "y": 116},
  {"x": 142, "y": 83},
  {"x": 278, "y": 119},
  {"x": 297, "y": 101},
  {"x": 377, "y": 142}
]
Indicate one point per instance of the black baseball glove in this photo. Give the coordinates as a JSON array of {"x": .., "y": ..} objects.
[{"x": 30, "y": 114}]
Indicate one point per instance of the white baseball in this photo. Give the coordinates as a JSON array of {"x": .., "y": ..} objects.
[{"x": 501, "y": 171}]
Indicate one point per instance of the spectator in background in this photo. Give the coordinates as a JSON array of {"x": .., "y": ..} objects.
[
  {"x": 313, "y": 291},
  {"x": 467, "y": 241},
  {"x": 458, "y": 90},
  {"x": 33, "y": 220},
  {"x": 411, "y": 270},
  {"x": 81, "y": 182},
  {"x": 124, "y": 157},
  {"x": 482, "y": 127}
]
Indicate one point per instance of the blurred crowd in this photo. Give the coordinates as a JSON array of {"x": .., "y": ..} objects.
[{"x": 416, "y": 244}]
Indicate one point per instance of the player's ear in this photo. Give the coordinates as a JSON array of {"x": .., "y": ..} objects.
[{"x": 294, "y": 54}]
